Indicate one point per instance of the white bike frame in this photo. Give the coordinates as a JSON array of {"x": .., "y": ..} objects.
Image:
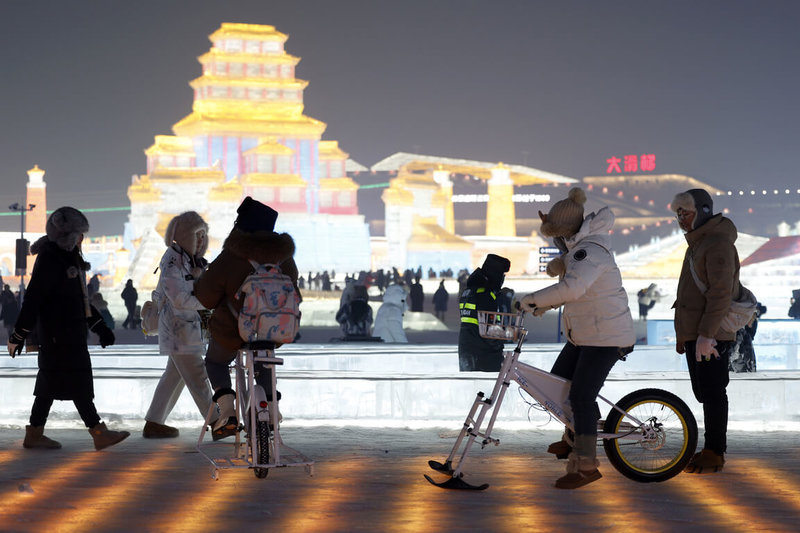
[
  {"x": 547, "y": 389},
  {"x": 252, "y": 404}
]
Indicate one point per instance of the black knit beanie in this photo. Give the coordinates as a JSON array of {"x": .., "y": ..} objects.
[{"x": 254, "y": 216}]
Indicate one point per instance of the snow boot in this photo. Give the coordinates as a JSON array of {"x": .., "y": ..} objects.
[
  {"x": 226, "y": 425},
  {"x": 580, "y": 471},
  {"x": 35, "y": 438},
  {"x": 154, "y": 430},
  {"x": 705, "y": 462},
  {"x": 104, "y": 437},
  {"x": 562, "y": 448},
  {"x": 582, "y": 464}
]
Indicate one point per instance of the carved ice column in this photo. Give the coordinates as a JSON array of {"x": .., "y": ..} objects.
[
  {"x": 442, "y": 177},
  {"x": 500, "y": 216}
]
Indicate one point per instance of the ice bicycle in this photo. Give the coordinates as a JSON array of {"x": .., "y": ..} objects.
[
  {"x": 648, "y": 436},
  {"x": 262, "y": 447}
]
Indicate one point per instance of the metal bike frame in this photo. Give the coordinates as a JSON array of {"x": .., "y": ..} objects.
[
  {"x": 250, "y": 397},
  {"x": 549, "y": 390}
]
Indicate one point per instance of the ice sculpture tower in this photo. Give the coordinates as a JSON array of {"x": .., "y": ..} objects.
[{"x": 247, "y": 135}]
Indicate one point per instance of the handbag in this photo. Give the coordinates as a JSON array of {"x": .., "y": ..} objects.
[{"x": 742, "y": 309}]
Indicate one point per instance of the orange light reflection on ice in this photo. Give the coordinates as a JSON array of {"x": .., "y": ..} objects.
[
  {"x": 718, "y": 497},
  {"x": 45, "y": 485},
  {"x": 101, "y": 502},
  {"x": 770, "y": 481},
  {"x": 338, "y": 484}
]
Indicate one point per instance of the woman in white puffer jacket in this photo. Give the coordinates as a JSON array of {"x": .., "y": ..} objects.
[
  {"x": 179, "y": 323},
  {"x": 596, "y": 321}
]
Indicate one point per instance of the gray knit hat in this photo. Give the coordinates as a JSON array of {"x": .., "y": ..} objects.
[
  {"x": 697, "y": 200},
  {"x": 65, "y": 227}
]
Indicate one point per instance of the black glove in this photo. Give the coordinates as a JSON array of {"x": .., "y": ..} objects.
[
  {"x": 15, "y": 342},
  {"x": 104, "y": 333}
]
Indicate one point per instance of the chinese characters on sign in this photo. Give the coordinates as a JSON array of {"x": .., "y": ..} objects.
[{"x": 631, "y": 163}]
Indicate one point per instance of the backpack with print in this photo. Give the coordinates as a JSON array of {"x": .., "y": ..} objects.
[{"x": 270, "y": 306}]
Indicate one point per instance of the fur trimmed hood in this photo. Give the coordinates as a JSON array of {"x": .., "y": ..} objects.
[
  {"x": 260, "y": 246},
  {"x": 44, "y": 243},
  {"x": 183, "y": 229}
]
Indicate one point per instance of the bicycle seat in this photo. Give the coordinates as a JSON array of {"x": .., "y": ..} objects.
[{"x": 258, "y": 345}]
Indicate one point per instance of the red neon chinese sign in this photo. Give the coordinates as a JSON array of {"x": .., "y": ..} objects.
[{"x": 631, "y": 163}]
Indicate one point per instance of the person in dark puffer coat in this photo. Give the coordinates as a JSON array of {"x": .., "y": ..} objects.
[
  {"x": 252, "y": 237},
  {"x": 56, "y": 304}
]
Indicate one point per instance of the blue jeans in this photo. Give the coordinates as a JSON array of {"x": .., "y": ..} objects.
[{"x": 588, "y": 368}]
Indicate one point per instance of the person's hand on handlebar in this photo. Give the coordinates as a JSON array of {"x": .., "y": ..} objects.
[{"x": 529, "y": 305}]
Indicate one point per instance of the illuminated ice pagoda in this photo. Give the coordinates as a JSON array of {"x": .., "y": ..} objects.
[{"x": 247, "y": 135}]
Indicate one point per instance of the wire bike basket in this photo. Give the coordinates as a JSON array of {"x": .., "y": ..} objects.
[{"x": 501, "y": 326}]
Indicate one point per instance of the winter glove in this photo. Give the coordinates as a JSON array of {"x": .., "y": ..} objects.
[
  {"x": 556, "y": 268},
  {"x": 15, "y": 342},
  {"x": 198, "y": 265},
  {"x": 705, "y": 349},
  {"x": 679, "y": 347},
  {"x": 529, "y": 305},
  {"x": 104, "y": 333}
]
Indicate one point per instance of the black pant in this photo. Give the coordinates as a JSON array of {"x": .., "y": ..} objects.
[
  {"x": 85, "y": 406},
  {"x": 709, "y": 382},
  {"x": 588, "y": 368}
]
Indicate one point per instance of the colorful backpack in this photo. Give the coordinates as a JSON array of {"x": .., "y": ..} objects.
[{"x": 270, "y": 306}]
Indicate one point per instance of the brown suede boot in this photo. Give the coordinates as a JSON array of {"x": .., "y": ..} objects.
[
  {"x": 562, "y": 448},
  {"x": 35, "y": 438},
  {"x": 580, "y": 471},
  {"x": 705, "y": 462},
  {"x": 154, "y": 430},
  {"x": 104, "y": 437}
]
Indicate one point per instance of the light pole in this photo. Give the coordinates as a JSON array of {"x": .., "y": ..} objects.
[{"x": 22, "y": 246}]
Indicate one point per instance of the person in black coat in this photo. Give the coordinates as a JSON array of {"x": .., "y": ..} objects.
[
  {"x": 474, "y": 352},
  {"x": 440, "y": 300},
  {"x": 10, "y": 309},
  {"x": 129, "y": 296},
  {"x": 417, "y": 296},
  {"x": 56, "y": 305}
]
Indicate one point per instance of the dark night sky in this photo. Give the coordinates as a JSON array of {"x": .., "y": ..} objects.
[{"x": 710, "y": 87}]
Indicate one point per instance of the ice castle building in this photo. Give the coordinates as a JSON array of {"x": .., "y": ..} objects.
[{"x": 247, "y": 135}]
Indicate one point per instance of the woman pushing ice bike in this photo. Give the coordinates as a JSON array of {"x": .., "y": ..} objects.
[{"x": 597, "y": 323}]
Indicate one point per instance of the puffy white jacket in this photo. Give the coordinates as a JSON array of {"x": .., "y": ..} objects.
[
  {"x": 596, "y": 309},
  {"x": 178, "y": 322}
]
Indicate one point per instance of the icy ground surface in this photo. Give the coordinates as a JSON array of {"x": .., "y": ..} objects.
[{"x": 371, "y": 479}]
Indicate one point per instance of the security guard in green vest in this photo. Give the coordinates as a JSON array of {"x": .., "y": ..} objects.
[{"x": 474, "y": 352}]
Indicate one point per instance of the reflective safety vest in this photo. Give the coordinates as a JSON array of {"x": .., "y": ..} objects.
[{"x": 467, "y": 304}]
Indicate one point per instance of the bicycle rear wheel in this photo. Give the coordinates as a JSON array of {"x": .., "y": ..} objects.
[
  {"x": 262, "y": 447},
  {"x": 660, "y": 448}
]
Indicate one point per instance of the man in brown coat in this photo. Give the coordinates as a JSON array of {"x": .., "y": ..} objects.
[
  {"x": 699, "y": 313},
  {"x": 253, "y": 238}
]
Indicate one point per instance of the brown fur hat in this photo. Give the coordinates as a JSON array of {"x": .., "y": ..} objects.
[
  {"x": 182, "y": 229},
  {"x": 566, "y": 216},
  {"x": 65, "y": 227}
]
